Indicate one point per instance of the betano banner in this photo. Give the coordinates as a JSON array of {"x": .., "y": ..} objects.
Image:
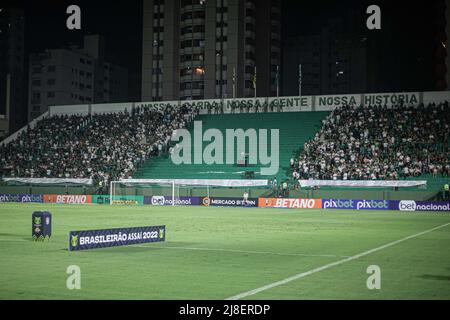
[
  {"x": 93, "y": 239},
  {"x": 290, "y": 203},
  {"x": 67, "y": 198}
]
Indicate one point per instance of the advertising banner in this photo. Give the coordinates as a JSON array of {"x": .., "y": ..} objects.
[
  {"x": 67, "y": 198},
  {"x": 36, "y": 198},
  {"x": 229, "y": 202},
  {"x": 93, "y": 239},
  {"x": 290, "y": 203},
  {"x": 390, "y": 99},
  {"x": 118, "y": 199},
  {"x": 352, "y": 204},
  {"x": 325, "y": 103},
  {"x": 167, "y": 201},
  {"x": 411, "y": 205}
]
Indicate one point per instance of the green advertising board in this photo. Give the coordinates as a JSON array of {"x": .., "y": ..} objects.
[{"x": 118, "y": 199}]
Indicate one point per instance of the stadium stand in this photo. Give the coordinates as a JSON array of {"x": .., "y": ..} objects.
[
  {"x": 371, "y": 142},
  {"x": 356, "y": 143},
  {"x": 100, "y": 146},
  {"x": 294, "y": 128}
]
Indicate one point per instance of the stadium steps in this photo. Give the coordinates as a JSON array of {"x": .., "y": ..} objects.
[{"x": 294, "y": 129}]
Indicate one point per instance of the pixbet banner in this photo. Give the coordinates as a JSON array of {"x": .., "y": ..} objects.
[
  {"x": 293, "y": 203},
  {"x": 229, "y": 202},
  {"x": 353, "y": 204},
  {"x": 67, "y": 198},
  {"x": 93, "y": 239},
  {"x": 37, "y": 198},
  {"x": 411, "y": 205},
  {"x": 167, "y": 201}
]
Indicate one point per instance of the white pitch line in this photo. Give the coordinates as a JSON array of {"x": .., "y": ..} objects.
[
  {"x": 330, "y": 265},
  {"x": 244, "y": 251}
]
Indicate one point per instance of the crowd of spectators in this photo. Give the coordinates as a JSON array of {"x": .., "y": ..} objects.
[
  {"x": 103, "y": 147},
  {"x": 378, "y": 142}
]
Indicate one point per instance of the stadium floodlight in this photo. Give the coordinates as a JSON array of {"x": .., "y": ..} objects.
[{"x": 176, "y": 191}]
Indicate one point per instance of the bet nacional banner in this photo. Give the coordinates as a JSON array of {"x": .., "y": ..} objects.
[
  {"x": 292, "y": 203},
  {"x": 167, "y": 201},
  {"x": 94, "y": 239},
  {"x": 411, "y": 205}
]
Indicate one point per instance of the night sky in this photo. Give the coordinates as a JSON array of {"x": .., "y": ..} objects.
[
  {"x": 404, "y": 48},
  {"x": 120, "y": 22}
]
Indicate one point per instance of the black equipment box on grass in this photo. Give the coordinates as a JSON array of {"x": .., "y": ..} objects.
[{"x": 41, "y": 225}]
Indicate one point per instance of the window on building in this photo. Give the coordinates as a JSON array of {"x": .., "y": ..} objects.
[
  {"x": 249, "y": 26},
  {"x": 36, "y": 83},
  {"x": 185, "y": 72},
  {"x": 186, "y": 16},
  {"x": 186, "y": 30},
  {"x": 199, "y": 28},
  {"x": 222, "y": 10},
  {"x": 199, "y": 15},
  {"x": 51, "y": 82},
  {"x": 51, "y": 69},
  {"x": 197, "y": 57},
  {"x": 186, "y": 44},
  {"x": 50, "y": 94}
]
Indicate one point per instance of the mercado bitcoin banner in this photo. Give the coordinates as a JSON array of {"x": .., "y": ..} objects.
[
  {"x": 119, "y": 199},
  {"x": 67, "y": 198},
  {"x": 411, "y": 205},
  {"x": 229, "y": 202},
  {"x": 290, "y": 203},
  {"x": 93, "y": 239},
  {"x": 36, "y": 198}
]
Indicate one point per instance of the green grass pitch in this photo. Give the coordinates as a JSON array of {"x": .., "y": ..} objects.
[{"x": 216, "y": 253}]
